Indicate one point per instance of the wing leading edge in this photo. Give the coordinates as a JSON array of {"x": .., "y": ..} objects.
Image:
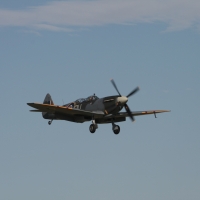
[
  {"x": 64, "y": 110},
  {"x": 99, "y": 115},
  {"x": 137, "y": 113}
]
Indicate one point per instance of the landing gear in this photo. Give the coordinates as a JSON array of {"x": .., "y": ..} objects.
[
  {"x": 116, "y": 129},
  {"x": 93, "y": 127},
  {"x": 49, "y": 122}
]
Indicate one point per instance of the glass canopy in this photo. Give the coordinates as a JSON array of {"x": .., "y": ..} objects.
[{"x": 90, "y": 98}]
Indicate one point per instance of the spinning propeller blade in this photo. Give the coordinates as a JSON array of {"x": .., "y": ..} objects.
[
  {"x": 113, "y": 82},
  {"x": 129, "y": 112},
  {"x": 129, "y": 95},
  {"x": 133, "y": 92}
]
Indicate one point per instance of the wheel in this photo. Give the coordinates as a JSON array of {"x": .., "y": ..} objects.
[
  {"x": 92, "y": 128},
  {"x": 49, "y": 122},
  {"x": 116, "y": 129}
]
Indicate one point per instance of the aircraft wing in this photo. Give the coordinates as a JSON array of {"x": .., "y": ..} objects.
[
  {"x": 137, "y": 113},
  {"x": 64, "y": 110}
]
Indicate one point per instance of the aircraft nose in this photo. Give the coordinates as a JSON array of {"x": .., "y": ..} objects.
[{"x": 122, "y": 99}]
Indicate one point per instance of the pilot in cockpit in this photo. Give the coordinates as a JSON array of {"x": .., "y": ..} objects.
[{"x": 93, "y": 98}]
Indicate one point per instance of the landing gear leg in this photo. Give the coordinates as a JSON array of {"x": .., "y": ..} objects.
[
  {"x": 49, "y": 122},
  {"x": 115, "y": 128},
  {"x": 93, "y": 126}
]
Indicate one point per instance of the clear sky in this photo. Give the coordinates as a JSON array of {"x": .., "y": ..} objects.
[{"x": 71, "y": 49}]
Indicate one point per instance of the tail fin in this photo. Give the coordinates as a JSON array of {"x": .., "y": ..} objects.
[{"x": 48, "y": 100}]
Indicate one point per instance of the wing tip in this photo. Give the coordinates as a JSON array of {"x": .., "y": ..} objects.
[{"x": 162, "y": 111}]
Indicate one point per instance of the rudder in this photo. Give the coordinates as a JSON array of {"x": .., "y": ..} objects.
[{"x": 48, "y": 100}]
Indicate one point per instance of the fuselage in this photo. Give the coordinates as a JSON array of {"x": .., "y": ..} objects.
[{"x": 108, "y": 105}]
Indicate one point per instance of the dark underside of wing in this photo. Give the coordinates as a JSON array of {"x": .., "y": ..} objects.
[
  {"x": 66, "y": 113},
  {"x": 138, "y": 113},
  {"x": 119, "y": 117},
  {"x": 78, "y": 115}
]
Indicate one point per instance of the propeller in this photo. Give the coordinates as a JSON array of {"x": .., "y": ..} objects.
[
  {"x": 113, "y": 82},
  {"x": 133, "y": 92},
  {"x": 129, "y": 95}
]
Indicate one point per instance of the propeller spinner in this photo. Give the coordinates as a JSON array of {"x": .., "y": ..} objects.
[{"x": 124, "y": 99}]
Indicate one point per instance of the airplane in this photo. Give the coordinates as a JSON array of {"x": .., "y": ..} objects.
[{"x": 98, "y": 110}]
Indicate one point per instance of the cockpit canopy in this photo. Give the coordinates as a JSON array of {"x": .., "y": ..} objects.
[{"x": 90, "y": 98}]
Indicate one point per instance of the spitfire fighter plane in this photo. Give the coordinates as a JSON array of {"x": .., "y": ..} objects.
[{"x": 98, "y": 110}]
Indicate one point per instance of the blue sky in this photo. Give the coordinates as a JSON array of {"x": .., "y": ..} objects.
[{"x": 71, "y": 49}]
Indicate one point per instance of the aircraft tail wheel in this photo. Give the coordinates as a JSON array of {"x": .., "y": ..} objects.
[
  {"x": 92, "y": 128},
  {"x": 116, "y": 129},
  {"x": 49, "y": 122}
]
